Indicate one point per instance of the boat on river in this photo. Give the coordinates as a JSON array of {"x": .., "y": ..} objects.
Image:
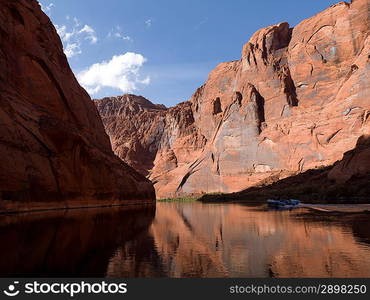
[{"x": 283, "y": 204}]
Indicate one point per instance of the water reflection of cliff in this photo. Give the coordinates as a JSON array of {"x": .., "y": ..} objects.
[
  {"x": 184, "y": 240},
  {"x": 75, "y": 243},
  {"x": 195, "y": 240}
]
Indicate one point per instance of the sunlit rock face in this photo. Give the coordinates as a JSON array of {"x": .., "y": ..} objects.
[
  {"x": 54, "y": 151},
  {"x": 297, "y": 99},
  {"x": 161, "y": 143}
]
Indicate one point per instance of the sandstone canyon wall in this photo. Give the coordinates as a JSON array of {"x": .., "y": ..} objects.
[
  {"x": 54, "y": 151},
  {"x": 296, "y": 100}
]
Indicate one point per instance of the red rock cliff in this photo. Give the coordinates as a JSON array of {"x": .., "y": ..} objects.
[
  {"x": 54, "y": 151},
  {"x": 296, "y": 100}
]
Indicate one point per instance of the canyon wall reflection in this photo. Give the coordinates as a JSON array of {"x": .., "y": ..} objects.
[
  {"x": 206, "y": 240},
  {"x": 184, "y": 240},
  {"x": 74, "y": 243}
]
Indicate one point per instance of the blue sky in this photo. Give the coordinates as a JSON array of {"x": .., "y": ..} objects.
[{"x": 161, "y": 49}]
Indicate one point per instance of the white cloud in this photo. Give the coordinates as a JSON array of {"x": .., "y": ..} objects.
[
  {"x": 47, "y": 8},
  {"x": 90, "y": 34},
  {"x": 118, "y": 34},
  {"x": 72, "y": 39},
  {"x": 148, "y": 23},
  {"x": 72, "y": 49},
  {"x": 121, "y": 72},
  {"x": 61, "y": 30},
  {"x": 123, "y": 37},
  {"x": 145, "y": 81}
]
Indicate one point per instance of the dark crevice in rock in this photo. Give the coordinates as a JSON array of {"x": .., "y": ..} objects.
[
  {"x": 332, "y": 136},
  {"x": 218, "y": 171},
  {"x": 254, "y": 56},
  {"x": 260, "y": 110},
  {"x": 183, "y": 181},
  {"x": 311, "y": 71},
  {"x": 323, "y": 26},
  {"x": 16, "y": 15},
  {"x": 277, "y": 39},
  {"x": 289, "y": 87},
  {"x": 354, "y": 68},
  {"x": 217, "y": 106},
  {"x": 258, "y": 107},
  {"x": 192, "y": 170},
  {"x": 324, "y": 61},
  {"x": 238, "y": 97},
  {"x": 264, "y": 49}
]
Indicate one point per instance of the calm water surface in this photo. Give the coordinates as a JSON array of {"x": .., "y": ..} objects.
[{"x": 185, "y": 240}]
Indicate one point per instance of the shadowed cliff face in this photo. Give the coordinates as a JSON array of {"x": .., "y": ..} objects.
[
  {"x": 296, "y": 100},
  {"x": 54, "y": 151},
  {"x": 71, "y": 243}
]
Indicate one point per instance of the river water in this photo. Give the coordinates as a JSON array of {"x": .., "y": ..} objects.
[{"x": 185, "y": 240}]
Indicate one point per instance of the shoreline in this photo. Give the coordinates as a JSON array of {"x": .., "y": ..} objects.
[
  {"x": 317, "y": 208},
  {"x": 69, "y": 208},
  {"x": 338, "y": 209}
]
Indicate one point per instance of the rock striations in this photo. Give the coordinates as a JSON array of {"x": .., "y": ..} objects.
[
  {"x": 161, "y": 143},
  {"x": 298, "y": 99},
  {"x": 54, "y": 151}
]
